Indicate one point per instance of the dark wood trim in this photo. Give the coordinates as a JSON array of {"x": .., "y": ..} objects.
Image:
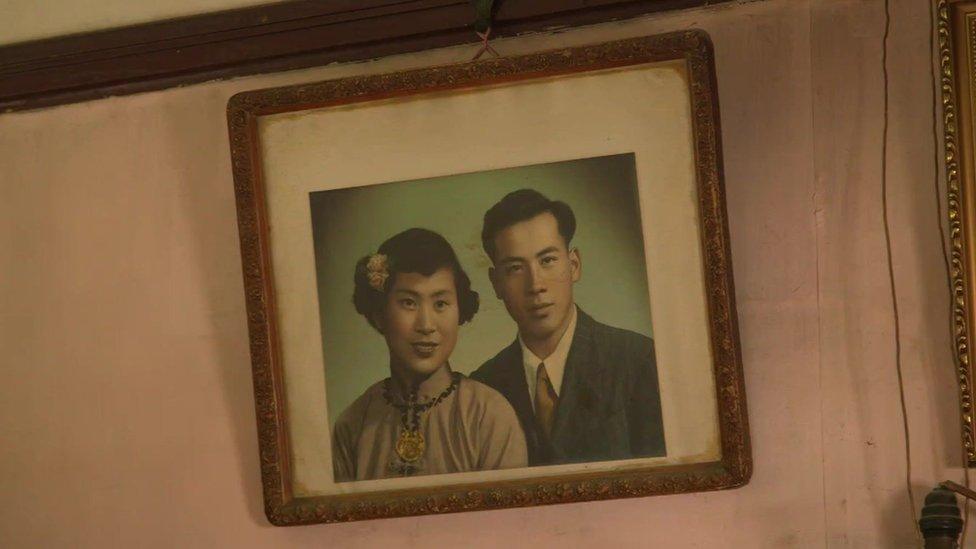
[{"x": 275, "y": 37}]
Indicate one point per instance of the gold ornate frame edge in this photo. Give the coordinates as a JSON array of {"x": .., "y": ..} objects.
[
  {"x": 735, "y": 467},
  {"x": 955, "y": 31}
]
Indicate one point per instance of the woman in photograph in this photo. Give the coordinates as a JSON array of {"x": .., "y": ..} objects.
[{"x": 425, "y": 418}]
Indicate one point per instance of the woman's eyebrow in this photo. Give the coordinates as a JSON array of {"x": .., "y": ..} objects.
[
  {"x": 406, "y": 291},
  {"x": 439, "y": 293},
  {"x": 414, "y": 293}
]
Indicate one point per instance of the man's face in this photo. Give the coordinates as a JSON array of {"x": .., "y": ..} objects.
[
  {"x": 420, "y": 323},
  {"x": 533, "y": 274}
]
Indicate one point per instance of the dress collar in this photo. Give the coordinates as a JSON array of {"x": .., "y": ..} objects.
[{"x": 429, "y": 388}]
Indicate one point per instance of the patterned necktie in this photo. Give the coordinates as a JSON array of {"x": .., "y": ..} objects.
[{"x": 545, "y": 400}]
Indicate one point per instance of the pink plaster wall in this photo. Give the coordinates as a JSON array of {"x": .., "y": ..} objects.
[{"x": 127, "y": 413}]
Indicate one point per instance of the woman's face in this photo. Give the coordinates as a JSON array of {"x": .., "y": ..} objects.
[{"x": 420, "y": 323}]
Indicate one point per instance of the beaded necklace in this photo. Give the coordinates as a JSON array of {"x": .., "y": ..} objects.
[{"x": 410, "y": 444}]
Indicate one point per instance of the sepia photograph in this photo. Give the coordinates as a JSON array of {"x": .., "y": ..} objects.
[{"x": 460, "y": 333}]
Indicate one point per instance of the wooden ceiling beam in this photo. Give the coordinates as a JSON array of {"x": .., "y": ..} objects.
[{"x": 283, "y": 36}]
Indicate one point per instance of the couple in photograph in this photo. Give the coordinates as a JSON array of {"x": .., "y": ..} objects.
[{"x": 568, "y": 389}]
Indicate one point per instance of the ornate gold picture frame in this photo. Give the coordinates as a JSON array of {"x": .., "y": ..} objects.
[
  {"x": 957, "y": 52},
  {"x": 309, "y": 157}
]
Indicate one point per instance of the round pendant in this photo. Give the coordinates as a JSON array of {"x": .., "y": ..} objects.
[{"x": 410, "y": 446}]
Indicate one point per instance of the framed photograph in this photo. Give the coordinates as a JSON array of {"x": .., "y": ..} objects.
[
  {"x": 494, "y": 284},
  {"x": 957, "y": 46}
]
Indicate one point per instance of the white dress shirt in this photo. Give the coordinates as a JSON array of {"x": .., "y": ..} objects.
[{"x": 555, "y": 363}]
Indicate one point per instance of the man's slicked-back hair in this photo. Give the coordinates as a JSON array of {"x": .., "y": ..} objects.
[{"x": 522, "y": 205}]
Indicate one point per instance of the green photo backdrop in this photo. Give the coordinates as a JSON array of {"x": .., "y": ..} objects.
[{"x": 350, "y": 223}]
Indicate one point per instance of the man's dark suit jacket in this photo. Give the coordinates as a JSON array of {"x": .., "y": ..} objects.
[{"x": 609, "y": 404}]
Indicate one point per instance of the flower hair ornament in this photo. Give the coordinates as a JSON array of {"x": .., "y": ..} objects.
[{"x": 377, "y": 271}]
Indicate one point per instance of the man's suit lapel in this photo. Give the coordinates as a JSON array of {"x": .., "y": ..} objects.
[
  {"x": 513, "y": 378},
  {"x": 577, "y": 412},
  {"x": 578, "y": 394},
  {"x": 513, "y": 385}
]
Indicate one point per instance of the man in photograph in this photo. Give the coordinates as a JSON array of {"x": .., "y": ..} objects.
[{"x": 582, "y": 390}]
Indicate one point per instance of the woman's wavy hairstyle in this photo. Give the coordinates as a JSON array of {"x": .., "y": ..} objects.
[{"x": 419, "y": 251}]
